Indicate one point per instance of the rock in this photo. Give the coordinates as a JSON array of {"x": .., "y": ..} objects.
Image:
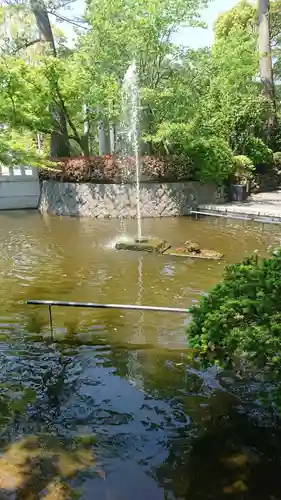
[
  {"x": 156, "y": 245},
  {"x": 144, "y": 245},
  {"x": 192, "y": 247},
  {"x": 203, "y": 254}
]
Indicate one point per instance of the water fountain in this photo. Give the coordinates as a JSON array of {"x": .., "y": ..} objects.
[
  {"x": 131, "y": 106},
  {"x": 130, "y": 146}
]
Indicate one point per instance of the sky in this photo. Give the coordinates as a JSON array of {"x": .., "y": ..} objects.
[
  {"x": 200, "y": 37},
  {"x": 193, "y": 37}
]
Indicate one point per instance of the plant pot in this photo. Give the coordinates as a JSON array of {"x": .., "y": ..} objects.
[{"x": 238, "y": 192}]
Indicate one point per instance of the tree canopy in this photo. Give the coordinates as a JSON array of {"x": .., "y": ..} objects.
[{"x": 206, "y": 104}]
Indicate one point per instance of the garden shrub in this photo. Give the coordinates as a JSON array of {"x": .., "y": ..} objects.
[
  {"x": 212, "y": 158},
  {"x": 242, "y": 315},
  {"x": 114, "y": 169},
  {"x": 210, "y": 155},
  {"x": 277, "y": 161},
  {"x": 243, "y": 168},
  {"x": 169, "y": 168},
  {"x": 259, "y": 153}
]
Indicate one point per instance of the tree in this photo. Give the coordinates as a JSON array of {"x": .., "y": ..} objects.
[
  {"x": 33, "y": 81},
  {"x": 266, "y": 71},
  {"x": 255, "y": 23},
  {"x": 242, "y": 17},
  {"x": 41, "y": 35},
  {"x": 194, "y": 102},
  {"x": 59, "y": 137},
  {"x": 213, "y": 94},
  {"x": 275, "y": 38},
  {"x": 183, "y": 92},
  {"x": 141, "y": 31}
]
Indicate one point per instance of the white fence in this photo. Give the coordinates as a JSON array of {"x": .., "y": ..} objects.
[{"x": 19, "y": 187}]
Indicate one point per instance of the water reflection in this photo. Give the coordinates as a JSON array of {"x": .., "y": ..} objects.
[
  {"x": 119, "y": 385},
  {"x": 231, "y": 459},
  {"x": 41, "y": 465},
  {"x": 175, "y": 428}
]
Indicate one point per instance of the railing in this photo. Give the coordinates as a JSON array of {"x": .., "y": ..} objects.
[
  {"x": 234, "y": 215},
  {"x": 90, "y": 305},
  {"x": 16, "y": 171}
]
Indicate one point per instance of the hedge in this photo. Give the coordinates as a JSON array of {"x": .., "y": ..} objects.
[{"x": 114, "y": 169}]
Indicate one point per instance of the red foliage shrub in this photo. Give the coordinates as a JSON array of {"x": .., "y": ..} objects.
[
  {"x": 117, "y": 169},
  {"x": 168, "y": 168}
]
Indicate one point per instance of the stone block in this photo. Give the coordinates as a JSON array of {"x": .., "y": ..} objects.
[
  {"x": 144, "y": 245},
  {"x": 192, "y": 247},
  {"x": 204, "y": 254}
]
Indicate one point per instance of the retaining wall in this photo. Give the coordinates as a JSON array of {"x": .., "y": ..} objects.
[{"x": 117, "y": 200}]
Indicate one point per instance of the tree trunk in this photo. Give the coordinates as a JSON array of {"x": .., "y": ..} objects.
[
  {"x": 85, "y": 137},
  {"x": 104, "y": 138},
  {"x": 266, "y": 71},
  {"x": 60, "y": 146}
]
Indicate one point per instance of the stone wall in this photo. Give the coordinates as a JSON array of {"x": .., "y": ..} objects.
[{"x": 117, "y": 200}]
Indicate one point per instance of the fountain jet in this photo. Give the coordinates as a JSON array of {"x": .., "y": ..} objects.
[
  {"x": 130, "y": 146},
  {"x": 131, "y": 109}
]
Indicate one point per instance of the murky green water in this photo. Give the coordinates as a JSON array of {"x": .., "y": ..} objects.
[{"x": 117, "y": 386}]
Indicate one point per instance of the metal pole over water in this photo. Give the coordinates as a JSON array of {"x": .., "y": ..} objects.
[{"x": 91, "y": 305}]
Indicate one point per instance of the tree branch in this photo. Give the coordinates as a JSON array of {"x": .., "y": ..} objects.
[
  {"x": 67, "y": 20},
  {"x": 65, "y": 111},
  {"x": 13, "y": 104},
  {"x": 26, "y": 45}
]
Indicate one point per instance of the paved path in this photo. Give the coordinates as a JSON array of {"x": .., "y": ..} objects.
[{"x": 264, "y": 207}]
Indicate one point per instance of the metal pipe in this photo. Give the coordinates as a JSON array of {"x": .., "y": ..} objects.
[
  {"x": 234, "y": 215},
  {"x": 90, "y": 305},
  {"x": 225, "y": 215},
  {"x": 51, "y": 321}
]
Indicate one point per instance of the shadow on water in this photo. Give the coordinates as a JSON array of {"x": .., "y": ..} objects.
[
  {"x": 233, "y": 458},
  {"x": 182, "y": 433}
]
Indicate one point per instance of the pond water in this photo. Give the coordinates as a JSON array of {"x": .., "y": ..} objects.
[{"x": 112, "y": 408}]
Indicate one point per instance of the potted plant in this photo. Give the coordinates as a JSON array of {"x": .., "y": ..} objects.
[{"x": 242, "y": 175}]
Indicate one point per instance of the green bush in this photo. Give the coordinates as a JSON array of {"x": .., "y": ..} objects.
[
  {"x": 277, "y": 161},
  {"x": 241, "y": 317},
  {"x": 212, "y": 159},
  {"x": 259, "y": 153},
  {"x": 210, "y": 155},
  {"x": 243, "y": 168}
]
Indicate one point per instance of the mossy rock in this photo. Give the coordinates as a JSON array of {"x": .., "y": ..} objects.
[
  {"x": 155, "y": 245},
  {"x": 192, "y": 247},
  {"x": 204, "y": 254}
]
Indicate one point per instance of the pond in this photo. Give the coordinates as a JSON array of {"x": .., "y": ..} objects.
[{"x": 112, "y": 409}]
